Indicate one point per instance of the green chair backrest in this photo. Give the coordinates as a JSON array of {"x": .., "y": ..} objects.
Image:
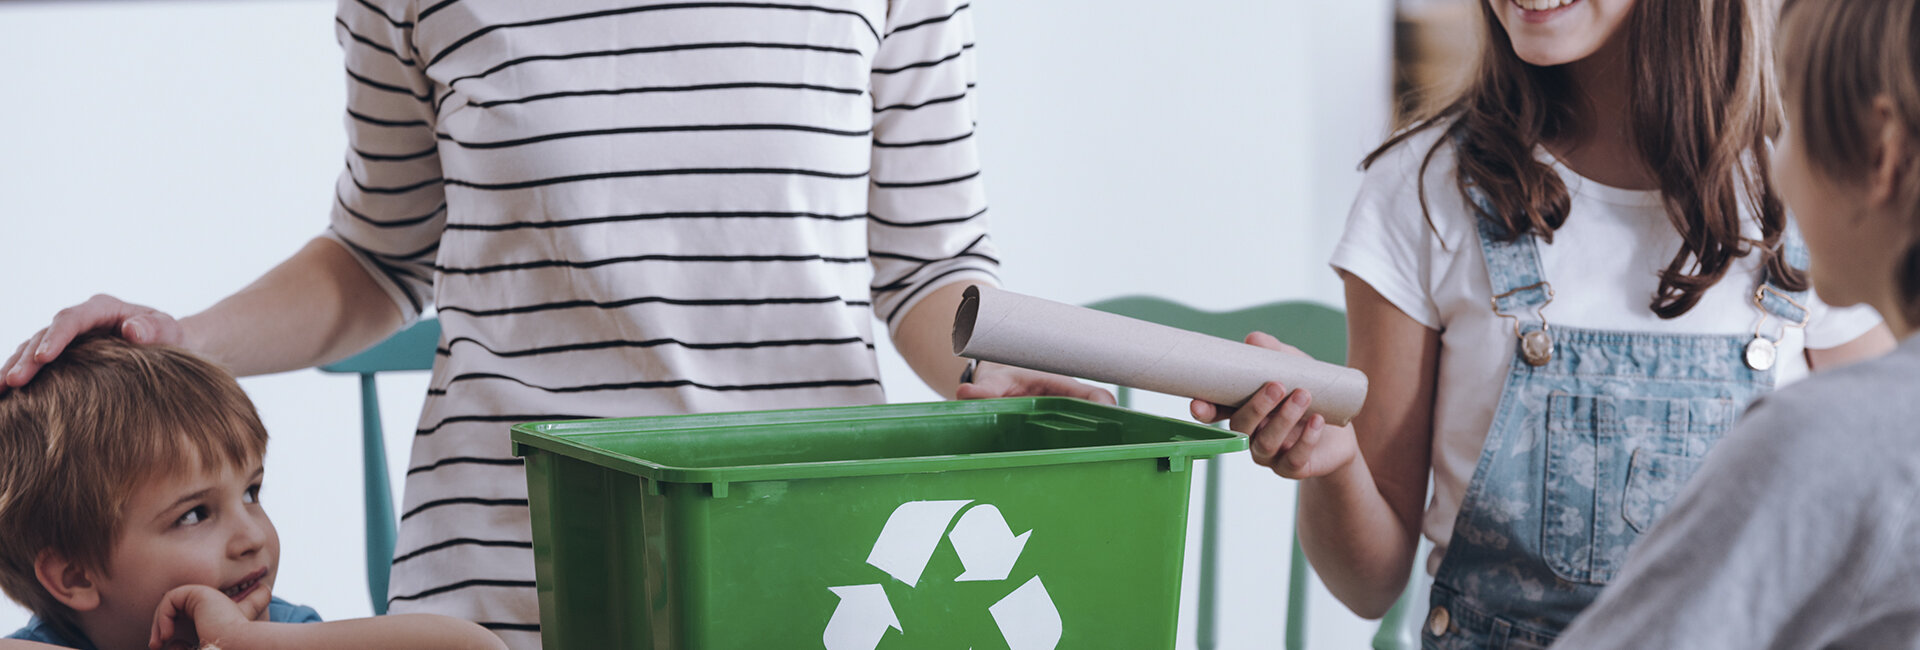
[
  {"x": 411, "y": 349},
  {"x": 1321, "y": 332}
]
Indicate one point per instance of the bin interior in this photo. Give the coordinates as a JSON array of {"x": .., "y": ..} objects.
[
  {"x": 812, "y": 442},
  {"x": 923, "y": 436}
]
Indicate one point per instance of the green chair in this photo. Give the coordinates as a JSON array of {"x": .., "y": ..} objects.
[
  {"x": 1317, "y": 330},
  {"x": 411, "y": 349}
]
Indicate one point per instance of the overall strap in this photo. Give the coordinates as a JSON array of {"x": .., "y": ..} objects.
[
  {"x": 1777, "y": 301},
  {"x": 1513, "y": 265}
]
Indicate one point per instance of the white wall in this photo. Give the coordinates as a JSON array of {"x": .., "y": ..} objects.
[{"x": 168, "y": 152}]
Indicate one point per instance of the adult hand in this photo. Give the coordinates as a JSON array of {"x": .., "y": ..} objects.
[
  {"x": 136, "y": 323},
  {"x": 192, "y": 616},
  {"x": 1284, "y": 437},
  {"x": 992, "y": 380}
]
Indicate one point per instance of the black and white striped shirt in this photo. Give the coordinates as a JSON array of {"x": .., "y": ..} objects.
[{"x": 638, "y": 207}]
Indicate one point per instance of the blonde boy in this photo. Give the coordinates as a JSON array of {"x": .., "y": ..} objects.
[{"x": 129, "y": 501}]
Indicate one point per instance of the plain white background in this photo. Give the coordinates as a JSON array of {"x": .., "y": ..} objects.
[{"x": 168, "y": 152}]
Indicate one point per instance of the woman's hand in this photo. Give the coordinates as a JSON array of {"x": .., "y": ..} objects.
[
  {"x": 1283, "y": 436},
  {"x": 136, "y": 323},
  {"x": 992, "y": 380}
]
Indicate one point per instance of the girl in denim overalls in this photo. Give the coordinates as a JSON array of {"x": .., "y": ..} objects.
[{"x": 1554, "y": 352}]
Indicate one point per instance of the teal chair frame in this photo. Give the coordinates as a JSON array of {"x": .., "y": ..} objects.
[
  {"x": 411, "y": 349},
  {"x": 1321, "y": 332}
]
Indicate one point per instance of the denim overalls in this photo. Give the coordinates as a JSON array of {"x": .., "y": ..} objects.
[{"x": 1585, "y": 452}]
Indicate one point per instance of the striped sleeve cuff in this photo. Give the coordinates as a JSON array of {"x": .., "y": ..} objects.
[{"x": 400, "y": 289}]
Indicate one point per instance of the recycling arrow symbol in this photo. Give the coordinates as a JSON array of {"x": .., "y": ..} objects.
[
  {"x": 986, "y": 546},
  {"x": 861, "y": 619},
  {"x": 988, "y": 550}
]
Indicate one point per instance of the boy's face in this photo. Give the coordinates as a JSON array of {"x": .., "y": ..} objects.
[
  {"x": 1829, "y": 219},
  {"x": 196, "y": 527}
]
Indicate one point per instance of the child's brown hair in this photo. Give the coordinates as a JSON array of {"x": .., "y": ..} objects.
[
  {"x": 93, "y": 426},
  {"x": 1837, "y": 58}
]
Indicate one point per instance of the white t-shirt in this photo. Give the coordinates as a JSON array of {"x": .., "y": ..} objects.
[{"x": 1604, "y": 266}]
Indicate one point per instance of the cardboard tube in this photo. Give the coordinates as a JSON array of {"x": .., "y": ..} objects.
[{"x": 1005, "y": 327}]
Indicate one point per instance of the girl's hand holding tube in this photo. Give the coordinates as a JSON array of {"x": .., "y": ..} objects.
[{"x": 1283, "y": 436}]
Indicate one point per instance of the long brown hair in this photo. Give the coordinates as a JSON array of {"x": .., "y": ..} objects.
[
  {"x": 1703, "y": 102},
  {"x": 1836, "y": 59}
]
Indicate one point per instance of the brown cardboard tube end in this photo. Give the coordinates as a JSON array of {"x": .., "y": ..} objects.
[{"x": 963, "y": 319}]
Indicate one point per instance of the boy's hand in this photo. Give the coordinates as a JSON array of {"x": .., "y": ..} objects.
[
  {"x": 991, "y": 380},
  {"x": 1283, "y": 436},
  {"x": 194, "y": 616}
]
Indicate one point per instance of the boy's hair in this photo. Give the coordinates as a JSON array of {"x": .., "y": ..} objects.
[
  {"x": 1836, "y": 58},
  {"x": 1702, "y": 104},
  {"x": 93, "y": 425}
]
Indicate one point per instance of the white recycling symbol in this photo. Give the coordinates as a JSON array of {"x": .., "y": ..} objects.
[{"x": 988, "y": 550}]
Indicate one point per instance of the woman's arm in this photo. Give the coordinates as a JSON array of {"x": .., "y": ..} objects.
[
  {"x": 925, "y": 340},
  {"x": 317, "y": 306}
]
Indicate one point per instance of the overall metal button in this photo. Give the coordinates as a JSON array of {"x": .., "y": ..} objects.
[
  {"x": 1437, "y": 621},
  {"x": 1536, "y": 347},
  {"x": 1761, "y": 353}
]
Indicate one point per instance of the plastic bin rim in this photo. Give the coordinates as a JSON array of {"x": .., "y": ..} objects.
[{"x": 1207, "y": 442}]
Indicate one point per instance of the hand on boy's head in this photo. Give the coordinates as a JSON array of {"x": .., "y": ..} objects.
[
  {"x": 193, "y": 615},
  {"x": 136, "y": 323}
]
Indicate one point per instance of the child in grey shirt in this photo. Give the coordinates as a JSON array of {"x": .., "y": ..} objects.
[{"x": 1800, "y": 531}]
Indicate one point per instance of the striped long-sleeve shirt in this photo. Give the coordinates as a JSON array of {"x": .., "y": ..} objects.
[{"x": 628, "y": 208}]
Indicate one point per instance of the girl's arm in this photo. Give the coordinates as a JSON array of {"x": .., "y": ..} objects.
[
  {"x": 1360, "y": 524},
  {"x": 1362, "y": 495}
]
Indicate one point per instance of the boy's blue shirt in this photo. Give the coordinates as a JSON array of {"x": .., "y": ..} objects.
[{"x": 279, "y": 611}]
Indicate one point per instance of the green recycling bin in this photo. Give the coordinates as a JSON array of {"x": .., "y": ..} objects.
[{"x": 1013, "y": 523}]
